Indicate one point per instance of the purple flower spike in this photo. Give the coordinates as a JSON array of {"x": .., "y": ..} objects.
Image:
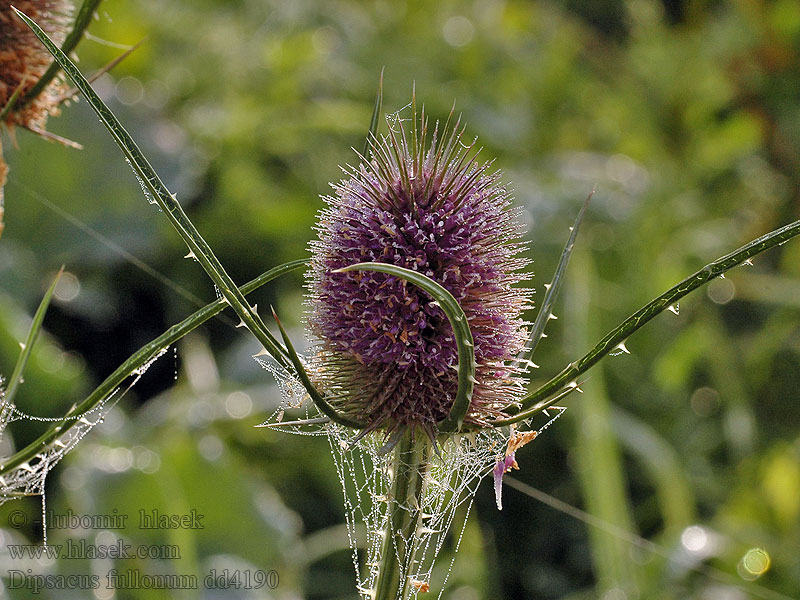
[
  {"x": 502, "y": 467},
  {"x": 384, "y": 351}
]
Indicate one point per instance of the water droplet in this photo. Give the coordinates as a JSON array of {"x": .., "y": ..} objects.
[{"x": 753, "y": 564}]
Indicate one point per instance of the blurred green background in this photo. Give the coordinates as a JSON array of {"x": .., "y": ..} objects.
[{"x": 684, "y": 114}]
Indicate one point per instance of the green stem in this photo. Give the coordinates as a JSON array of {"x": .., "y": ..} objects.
[{"x": 409, "y": 470}]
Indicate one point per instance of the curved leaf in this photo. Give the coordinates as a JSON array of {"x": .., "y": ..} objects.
[
  {"x": 320, "y": 402},
  {"x": 461, "y": 331}
]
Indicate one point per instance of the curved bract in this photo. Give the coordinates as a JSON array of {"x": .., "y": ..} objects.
[{"x": 463, "y": 336}]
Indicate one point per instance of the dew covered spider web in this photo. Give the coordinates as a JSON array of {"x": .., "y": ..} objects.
[
  {"x": 365, "y": 475},
  {"x": 28, "y": 478}
]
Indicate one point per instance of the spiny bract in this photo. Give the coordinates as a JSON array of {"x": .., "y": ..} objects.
[{"x": 383, "y": 350}]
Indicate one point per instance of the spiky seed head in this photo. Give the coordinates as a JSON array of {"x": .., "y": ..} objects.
[
  {"x": 23, "y": 58},
  {"x": 384, "y": 351}
]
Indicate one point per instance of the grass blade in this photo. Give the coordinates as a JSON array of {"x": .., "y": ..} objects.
[
  {"x": 27, "y": 346},
  {"x": 167, "y": 201},
  {"x": 461, "y": 331},
  {"x": 141, "y": 357}
]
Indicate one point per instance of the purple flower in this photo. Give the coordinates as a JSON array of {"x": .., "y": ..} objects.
[{"x": 385, "y": 351}]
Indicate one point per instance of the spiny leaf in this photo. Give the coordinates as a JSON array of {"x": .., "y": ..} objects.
[
  {"x": 552, "y": 291},
  {"x": 541, "y": 406},
  {"x": 165, "y": 200},
  {"x": 458, "y": 321},
  {"x": 538, "y": 399},
  {"x": 82, "y": 20}
]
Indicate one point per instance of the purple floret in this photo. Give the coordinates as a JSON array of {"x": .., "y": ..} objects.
[{"x": 384, "y": 349}]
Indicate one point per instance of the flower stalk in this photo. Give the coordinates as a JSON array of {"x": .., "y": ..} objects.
[{"x": 410, "y": 465}]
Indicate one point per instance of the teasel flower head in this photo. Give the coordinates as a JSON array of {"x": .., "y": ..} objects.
[
  {"x": 23, "y": 60},
  {"x": 384, "y": 351}
]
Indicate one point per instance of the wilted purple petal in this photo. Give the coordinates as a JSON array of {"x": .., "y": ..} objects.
[{"x": 502, "y": 467}]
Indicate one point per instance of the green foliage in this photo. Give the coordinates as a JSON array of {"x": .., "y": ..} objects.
[{"x": 687, "y": 122}]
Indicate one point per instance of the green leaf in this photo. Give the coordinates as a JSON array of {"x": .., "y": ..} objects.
[
  {"x": 141, "y": 357},
  {"x": 545, "y": 312},
  {"x": 27, "y": 346},
  {"x": 82, "y": 20},
  {"x": 167, "y": 201},
  {"x": 461, "y": 331}
]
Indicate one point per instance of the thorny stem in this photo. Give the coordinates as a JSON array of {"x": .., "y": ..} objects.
[{"x": 403, "y": 516}]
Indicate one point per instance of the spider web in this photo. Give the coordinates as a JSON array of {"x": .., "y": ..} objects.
[
  {"x": 28, "y": 479},
  {"x": 365, "y": 475}
]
